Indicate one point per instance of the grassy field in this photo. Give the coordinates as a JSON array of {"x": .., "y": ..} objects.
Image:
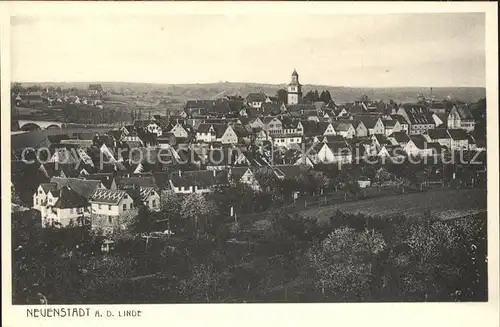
[{"x": 445, "y": 204}]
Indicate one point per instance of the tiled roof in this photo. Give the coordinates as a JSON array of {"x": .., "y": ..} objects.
[
  {"x": 140, "y": 181},
  {"x": 48, "y": 187},
  {"x": 367, "y": 120},
  {"x": 81, "y": 186},
  {"x": 464, "y": 112},
  {"x": 144, "y": 192},
  {"x": 400, "y": 137},
  {"x": 338, "y": 147},
  {"x": 105, "y": 178},
  {"x": 289, "y": 123},
  {"x": 458, "y": 134},
  {"x": 333, "y": 138},
  {"x": 389, "y": 123},
  {"x": 438, "y": 133},
  {"x": 107, "y": 196},
  {"x": 400, "y": 119},
  {"x": 381, "y": 139},
  {"x": 68, "y": 198},
  {"x": 256, "y": 97},
  {"x": 200, "y": 104},
  {"x": 289, "y": 171},
  {"x": 341, "y": 126},
  {"x": 200, "y": 178},
  {"x": 238, "y": 172},
  {"x": 418, "y": 114},
  {"x": 419, "y": 141}
]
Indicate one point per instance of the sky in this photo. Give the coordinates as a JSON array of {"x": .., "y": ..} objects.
[{"x": 338, "y": 50}]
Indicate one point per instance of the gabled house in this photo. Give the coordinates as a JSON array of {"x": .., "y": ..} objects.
[
  {"x": 361, "y": 130},
  {"x": 255, "y": 100},
  {"x": 200, "y": 181},
  {"x": 69, "y": 208},
  {"x": 400, "y": 138},
  {"x": 286, "y": 140},
  {"x": 418, "y": 145},
  {"x": 292, "y": 126},
  {"x": 244, "y": 175},
  {"x": 419, "y": 118},
  {"x": 336, "y": 152},
  {"x": 391, "y": 125},
  {"x": 460, "y": 117},
  {"x": 107, "y": 206},
  {"x": 150, "y": 198},
  {"x": 441, "y": 136},
  {"x": 272, "y": 125},
  {"x": 373, "y": 124},
  {"x": 459, "y": 139},
  {"x": 312, "y": 129},
  {"x": 402, "y": 122},
  {"x": 179, "y": 131},
  {"x": 344, "y": 128},
  {"x": 223, "y": 133},
  {"x": 392, "y": 151}
]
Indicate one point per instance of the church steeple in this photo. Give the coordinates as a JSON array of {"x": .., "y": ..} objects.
[{"x": 294, "y": 89}]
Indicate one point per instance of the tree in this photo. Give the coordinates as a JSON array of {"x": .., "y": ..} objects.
[
  {"x": 202, "y": 284},
  {"x": 143, "y": 222},
  {"x": 267, "y": 180},
  {"x": 343, "y": 261},
  {"x": 282, "y": 96},
  {"x": 325, "y": 96},
  {"x": 199, "y": 209}
]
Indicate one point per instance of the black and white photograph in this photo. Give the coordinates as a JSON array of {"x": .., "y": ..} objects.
[{"x": 248, "y": 158}]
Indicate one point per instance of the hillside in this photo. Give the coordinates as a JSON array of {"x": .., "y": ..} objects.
[{"x": 183, "y": 92}]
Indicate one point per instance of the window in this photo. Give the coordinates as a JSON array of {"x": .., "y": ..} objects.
[
  {"x": 124, "y": 206},
  {"x": 110, "y": 219},
  {"x": 153, "y": 203},
  {"x": 109, "y": 207},
  {"x": 36, "y": 201},
  {"x": 131, "y": 205},
  {"x": 40, "y": 192},
  {"x": 99, "y": 206}
]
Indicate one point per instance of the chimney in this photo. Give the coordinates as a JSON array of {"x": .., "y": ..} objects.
[{"x": 180, "y": 173}]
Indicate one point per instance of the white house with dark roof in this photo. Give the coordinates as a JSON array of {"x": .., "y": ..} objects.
[
  {"x": 244, "y": 175},
  {"x": 255, "y": 100},
  {"x": 441, "y": 136},
  {"x": 286, "y": 140},
  {"x": 459, "y": 139},
  {"x": 179, "y": 131},
  {"x": 150, "y": 197},
  {"x": 70, "y": 207},
  {"x": 107, "y": 206},
  {"x": 420, "y": 119},
  {"x": 272, "y": 125},
  {"x": 222, "y": 133},
  {"x": 199, "y": 181},
  {"x": 391, "y": 125},
  {"x": 344, "y": 128},
  {"x": 460, "y": 117}
]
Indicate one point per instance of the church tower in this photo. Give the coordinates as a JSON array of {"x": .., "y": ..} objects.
[{"x": 294, "y": 89}]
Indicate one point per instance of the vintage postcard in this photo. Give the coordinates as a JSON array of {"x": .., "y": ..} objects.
[{"x": 250, "y": 163}]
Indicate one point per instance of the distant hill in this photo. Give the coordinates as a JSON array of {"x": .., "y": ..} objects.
[{"x": 183, "y": 92}]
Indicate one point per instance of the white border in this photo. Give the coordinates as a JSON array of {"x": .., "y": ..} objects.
[{"x": 460, "y": 314}]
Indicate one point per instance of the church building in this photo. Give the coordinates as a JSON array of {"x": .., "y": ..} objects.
[{"x": 294, "y": 89}]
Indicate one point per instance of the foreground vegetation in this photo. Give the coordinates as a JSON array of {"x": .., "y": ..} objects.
[{"x": 291, "y": 259}]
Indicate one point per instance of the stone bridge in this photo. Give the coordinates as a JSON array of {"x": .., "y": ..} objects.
[{"x": 33, "y": 125}]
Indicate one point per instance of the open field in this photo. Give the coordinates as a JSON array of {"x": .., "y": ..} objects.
[
  {"x": 183, "y": 92},
  {"x": 445, "y": 204}
]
